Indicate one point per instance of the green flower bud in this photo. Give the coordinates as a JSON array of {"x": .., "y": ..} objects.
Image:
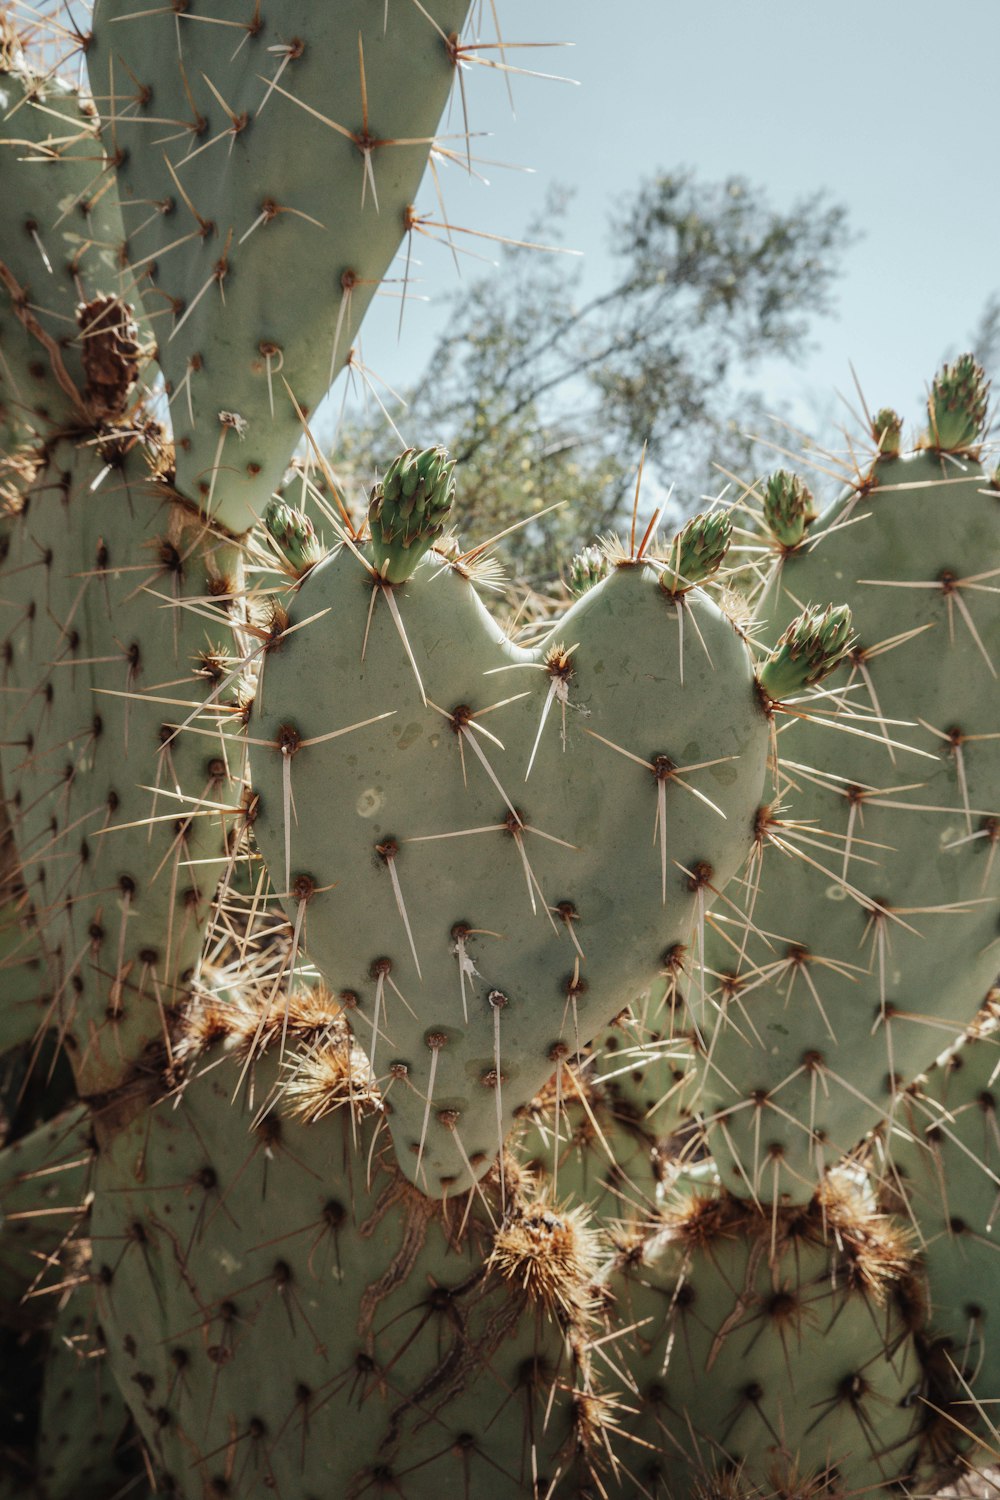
[
  {"x": 587, "y": 568},
  {"x": 812, "y": 646},
  {"x": 697, "y": 552},
  {"x": 788, "y": 508},
  {"x": 887, "y": 427},
  {"x": 957, "y": 405},
  {"x": 408, "y": 510},
  {"x": 294, "y": 536}
]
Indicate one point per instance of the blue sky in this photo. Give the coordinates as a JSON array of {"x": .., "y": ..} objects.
[{"x": 886, "y": 105}]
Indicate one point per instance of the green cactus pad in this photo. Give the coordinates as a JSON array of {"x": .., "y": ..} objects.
[
  {"x": 44, "y": 1180},
  {"x": 772, "y": 1353},
  {"x": 939, "y": 1166},
  {"x": 286, "y": 186},
  {"x": 58, "y": 251},
  {"x": 86, "y": 1446},
  {"x": 487, "y": 890},
  {"x": 26, "y": 996},
  {"x": 424, "y": 1337},
  {"x": 870, "y": 930},
  {"x": 121, "y": 606}
]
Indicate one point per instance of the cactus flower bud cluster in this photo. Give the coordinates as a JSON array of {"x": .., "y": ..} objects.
[
  {"x": 436, "y": 1060},
  {"x": 409, "y": 509}
]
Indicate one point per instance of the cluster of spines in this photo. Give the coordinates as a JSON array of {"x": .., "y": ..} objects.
[
  {"x": 863, "y": 937},
  {"x": 331, "y": 1076}
]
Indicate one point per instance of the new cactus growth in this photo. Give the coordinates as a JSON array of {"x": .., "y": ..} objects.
[
  {"x": 807, "y": 651},
  {"x": 956, "y": 409},
  {"x": 408, "y": 511},
  {"x": 294, "y": 537},
  {"x": 697, "y": 552},
  {"x": 788, "y": 508},
  {"x": 587, "y": 568},
  {"x": 887, "y": 429},
  {"x": 504, "y": 1065}
]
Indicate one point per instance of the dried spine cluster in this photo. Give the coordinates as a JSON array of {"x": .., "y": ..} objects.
[{"x": 495, "y": 1065}]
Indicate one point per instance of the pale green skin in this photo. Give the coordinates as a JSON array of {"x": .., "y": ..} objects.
[
  {"x": 283, "y": 286},
  {"x": 402, "y": 778},
  {"x": 48, "y": 192},
  {"x": 943, "y": 1162},
  {"x": 44, "y": 1179},
  {"x": 616, "y": 1180},
  {"x": 706, "y": 1335},
  {"x": 108, "y": 1000},
  {"x": 23, "y": 979},
  {"x": 926, "y": 514},
  {"x": 606, "y": 1154},
  {"x": 614, "y": 1152},
  {"x": 362, "y": 1288},
  {"x": 83, "y": 1418}
]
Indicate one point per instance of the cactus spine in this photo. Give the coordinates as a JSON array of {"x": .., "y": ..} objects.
[{"x": 391, "y": 1174}]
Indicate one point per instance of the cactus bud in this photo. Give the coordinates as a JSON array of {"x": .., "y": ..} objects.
[
  {"x": 788, "y": 508},
  {"x": 887, "y": 427},
  {"x": 408, "y": 510},
  {"x": 957, "y": 405},
  {"x": 811, "y": 647},
  {"x": 697, "y": 552},
  {"x": 587, "y": 568},
  {"x": 294, "y": 535}
]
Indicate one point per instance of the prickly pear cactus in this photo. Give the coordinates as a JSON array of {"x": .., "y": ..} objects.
[
  {"x": 106, "y": 664},
  {"x": 938, "y": 1166},
  {"x": 59, "y": 247},
  {"x": 127, "y": 601},
  {"x": 410, "y": 981},
  {"x": 446, "y": 1343},
  {"x": 517, "y": 835},
  {"x": 726, "y": 1307},
  {"x": 867, "y": 936},
  {"x": 298, "y": 136}
]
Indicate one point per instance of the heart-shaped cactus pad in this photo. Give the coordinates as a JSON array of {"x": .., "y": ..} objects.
[{"x": 489, "y": 851}]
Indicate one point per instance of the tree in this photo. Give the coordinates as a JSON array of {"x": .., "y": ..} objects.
[{"x": 543, "y": 397}]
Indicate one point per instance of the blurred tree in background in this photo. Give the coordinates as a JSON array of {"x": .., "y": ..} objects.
[{"x": 544, "y": 397}]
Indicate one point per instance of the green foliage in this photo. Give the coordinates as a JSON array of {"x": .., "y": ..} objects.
[{"x": 546, "y": 393}]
